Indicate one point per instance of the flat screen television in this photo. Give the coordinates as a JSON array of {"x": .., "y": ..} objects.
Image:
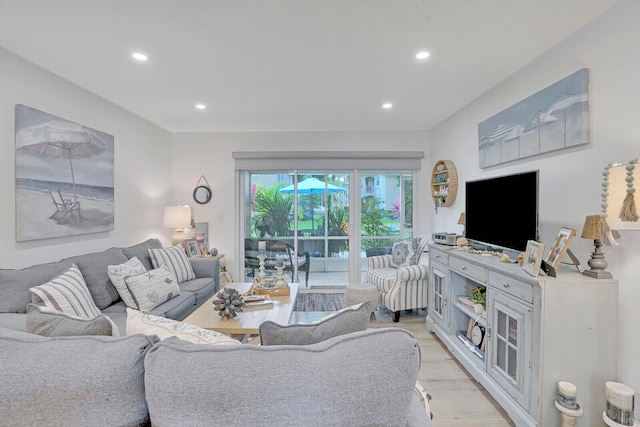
[{"x": 502, "y": 212}]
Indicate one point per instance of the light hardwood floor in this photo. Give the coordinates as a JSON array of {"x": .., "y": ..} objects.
[{"x": 457, "y": 399}]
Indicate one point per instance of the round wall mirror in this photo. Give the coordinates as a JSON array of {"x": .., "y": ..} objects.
[{"x": 202, "y": 194}]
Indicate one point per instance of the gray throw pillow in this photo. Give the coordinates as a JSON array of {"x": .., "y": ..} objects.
[
  {"x": 345, "y": 321},
  {"x": 404, "y": 252},
  {"x": 51, "y": 323}
]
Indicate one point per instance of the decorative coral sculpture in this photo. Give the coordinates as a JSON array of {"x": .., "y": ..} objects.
[{"x": 229, "y": 303}]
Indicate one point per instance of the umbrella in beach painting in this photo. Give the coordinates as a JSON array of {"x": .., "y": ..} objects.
[
  {"x": 64, "y": 177},
  {"x": 554, "y": 118}
]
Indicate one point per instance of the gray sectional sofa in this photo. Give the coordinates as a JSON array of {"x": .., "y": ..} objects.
[
  {"x": 359, "y": 379},
  {"x": 15, "y": 284}
]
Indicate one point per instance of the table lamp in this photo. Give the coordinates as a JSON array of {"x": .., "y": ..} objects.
[
  {"x": 461, "y": 221},
  {"x": 179, "y": 218},
  {"x": 594, "y": 228}
]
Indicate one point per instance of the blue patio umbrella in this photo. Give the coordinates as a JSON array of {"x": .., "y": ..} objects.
[{"x": 312, "y": 186}]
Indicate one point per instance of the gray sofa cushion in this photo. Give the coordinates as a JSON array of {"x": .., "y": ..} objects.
[
  {"x": 347, "y": 320},
  {"x": 202, "y": 288},
  {"x": 15, "y": 284},
  {"x": 177, "y": 307},
  {"x": 140, "y": 251},
  {"x": 40, "y": 385},
  {"x": 49, "y": 323},
  {"x": 94, "y": 269},
  {"x": 332, "y": 382}
]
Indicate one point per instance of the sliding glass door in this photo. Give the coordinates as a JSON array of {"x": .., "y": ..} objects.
[
  {"x": 330, "y": 224},
  {"x": 386, "y": 210}
]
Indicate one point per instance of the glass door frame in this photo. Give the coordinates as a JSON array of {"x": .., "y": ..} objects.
[{"x": 355, "y": 261}]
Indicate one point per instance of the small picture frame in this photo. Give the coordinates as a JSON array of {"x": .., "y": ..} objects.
[
  {"x": 560, "y": 246},
  {"x": 191, "y": 245},
  {"x": 533, "y": 257},
  {"x": 204, "y": 249}
]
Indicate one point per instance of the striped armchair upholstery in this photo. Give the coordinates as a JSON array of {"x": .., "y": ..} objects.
[{"x": 402, "y": 288}]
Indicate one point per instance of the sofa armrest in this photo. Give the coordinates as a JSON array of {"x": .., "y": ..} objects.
[
  {"x": 379, "y": 261},
  {"x": 207, "y": 267},
  {"x": 413, "y": 272}
]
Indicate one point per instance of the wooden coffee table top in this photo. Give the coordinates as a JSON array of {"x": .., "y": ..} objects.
[{"x": 246, "y": 322}]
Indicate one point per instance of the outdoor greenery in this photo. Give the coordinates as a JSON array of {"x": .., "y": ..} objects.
[
  {"x": 338, "y": 218},
  {"x": 273, "y": 212},
  {"x": 373, "y": 223},
  {"x": 274, "y": 217}
]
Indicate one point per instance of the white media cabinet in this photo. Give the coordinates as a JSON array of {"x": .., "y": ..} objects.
[{"x": 538, "y": 331}]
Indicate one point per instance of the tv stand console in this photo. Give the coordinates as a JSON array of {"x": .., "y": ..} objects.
[{"x": 537, "y": 331}]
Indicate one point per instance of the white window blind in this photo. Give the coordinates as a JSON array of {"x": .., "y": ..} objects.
[{"x": 328, "y": 160}]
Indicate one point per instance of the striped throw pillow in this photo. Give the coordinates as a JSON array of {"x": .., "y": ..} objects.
[
  {"x": 175, "y": 259},
  {"x": 69, "y": 294}
]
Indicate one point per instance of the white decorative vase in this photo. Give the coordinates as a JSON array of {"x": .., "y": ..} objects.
[{"x": 479, "y": 308}]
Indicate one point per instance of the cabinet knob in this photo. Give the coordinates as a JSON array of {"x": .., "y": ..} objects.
[
  {"x": 463, "y": 268},
  {"x": 505, "y": 284}
]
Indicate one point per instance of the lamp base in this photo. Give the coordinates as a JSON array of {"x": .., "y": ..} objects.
[
  {"x": 179, "y": 237},
  {"x": 597, "y": 263},
  {"x": 598, "y": 274}
]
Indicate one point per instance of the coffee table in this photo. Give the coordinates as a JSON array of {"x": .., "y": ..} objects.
[{"x": 247, "y": 322}]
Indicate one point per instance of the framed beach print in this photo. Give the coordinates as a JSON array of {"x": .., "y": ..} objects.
[
  {"x": 560, "y": 246},
  {"x": 191, "y": 245},
  {"x": 533, "y": 257}
]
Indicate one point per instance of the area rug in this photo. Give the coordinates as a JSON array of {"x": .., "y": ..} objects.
[{"x": 313, "y": 301}]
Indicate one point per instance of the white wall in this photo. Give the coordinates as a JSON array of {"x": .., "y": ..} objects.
[
  {"x": 142, "y": 163},
  {"x": 570, "y": 180},
  {"x": 210, "y": 154}
]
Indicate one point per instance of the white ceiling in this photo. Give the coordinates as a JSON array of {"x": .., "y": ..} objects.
[{"x": 289, "y": 65}]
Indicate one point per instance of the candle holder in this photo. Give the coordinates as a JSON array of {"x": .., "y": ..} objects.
[
  {"x": 280, "y": 277},
  {"x": 567, "y": 405},
  {"x": 262, "y": 274},
  {"x": 620, "y": 405}
]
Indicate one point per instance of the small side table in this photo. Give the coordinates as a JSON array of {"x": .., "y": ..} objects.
[{"x": 217, "y": 256}]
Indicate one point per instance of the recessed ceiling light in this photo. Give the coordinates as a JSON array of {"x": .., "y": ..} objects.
[
  {"x": 139, "y": 56},
  {"x": 422, "y": 55},
  {"x": 387, "y": 105},
  {"x": 201, "y": 106}
]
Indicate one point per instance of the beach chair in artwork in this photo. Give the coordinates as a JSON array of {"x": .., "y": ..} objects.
[{"x": 64, "y": 207}]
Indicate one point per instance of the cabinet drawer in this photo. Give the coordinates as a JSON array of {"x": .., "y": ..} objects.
[
  {"x": 439, "y": 256},
  {"x": 474, "y": 271},
  {"x": 513, "y": 287}
]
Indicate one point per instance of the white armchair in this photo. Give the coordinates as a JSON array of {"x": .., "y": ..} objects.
[{"x": 401, "y": 288}]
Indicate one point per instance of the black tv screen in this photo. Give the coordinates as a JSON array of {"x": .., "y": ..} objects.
[{"x": 502, "y": 211}]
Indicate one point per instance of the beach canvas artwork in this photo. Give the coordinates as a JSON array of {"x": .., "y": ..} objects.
[
  {"x": 64, "y": 177},
  {"x": 554, "y": 118}
]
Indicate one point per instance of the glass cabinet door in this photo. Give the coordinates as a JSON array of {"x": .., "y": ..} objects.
[
  {"x": 509, "y": 348},
  {"x": 439, "y": 295}
]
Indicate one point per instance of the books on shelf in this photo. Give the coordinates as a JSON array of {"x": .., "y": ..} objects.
[
  {"x": 255, "y": 302},
  {"x": 469, "y": 345}
]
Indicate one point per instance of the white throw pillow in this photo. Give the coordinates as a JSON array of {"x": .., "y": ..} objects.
[
  {"x": 140, "y": 323},
  {"x": 152, "y": 288},
  {"x": 117, "y": 273},
  {"x": 69, "y": 294},
  {"x": 175, "y": 259}
]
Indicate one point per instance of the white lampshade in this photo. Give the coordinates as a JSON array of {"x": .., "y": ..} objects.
[{"x": 179, "y": 218}]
